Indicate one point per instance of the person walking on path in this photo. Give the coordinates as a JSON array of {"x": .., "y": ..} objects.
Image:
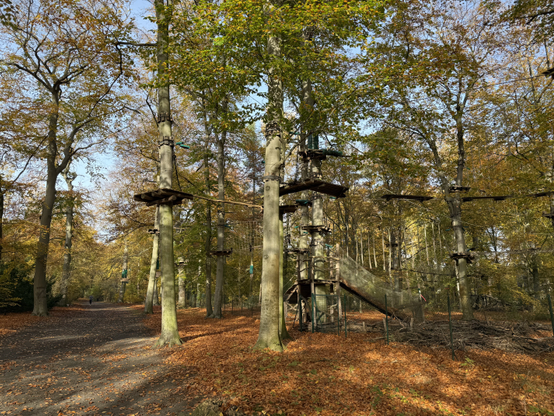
[{"x": 90, "y": 299}]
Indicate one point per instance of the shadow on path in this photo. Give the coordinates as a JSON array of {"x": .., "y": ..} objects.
[{"x": 96, "y": 362}]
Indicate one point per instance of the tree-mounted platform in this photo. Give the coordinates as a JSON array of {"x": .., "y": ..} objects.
[
  {"x": 163, "y": 196},
  {"x": 125, "y": 280},
  {"x": 494, "y": 198},
  {"x": 322, "y": 229},
  {"x": 468, "y": 256},
  {"x": 546, "y": 193},
  {"x": 548, "y": 215},
  {"x": 298, "y": 250},
  {"x": 456, "y": 188},
  {"x": 319, "y": 154},
  {"x": 305, "y": 289},
  {"x": 153, "y": 231},
  {"x": 218, "y": 253},
  {"x": 420, "y": 198},
  {"x": 287, "y": 209},
  {"x": 338, "y": 191}
]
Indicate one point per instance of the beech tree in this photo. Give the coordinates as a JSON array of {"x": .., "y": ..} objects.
[
  {"x": 435, "y": 57},
  {"x": 66, "y": 57}
]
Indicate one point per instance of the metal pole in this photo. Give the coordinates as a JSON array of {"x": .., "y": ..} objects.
[
  {"x": 551, "y": 314},
  {"x": 386, "y": 320},
  {"x": 450, "y": 324}
]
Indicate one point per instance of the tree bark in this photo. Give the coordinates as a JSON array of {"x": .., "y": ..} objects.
[
  {"x": 220, "y": 270},
  {"x": 151, "y": 290},
  {"x": 208, "y": 242},
  {"x": 69, "y": 178},
  {"x": 181, "y": 279},
  {"x": 40, "y": 307},
  {"x": 536, "y": 279},
  {"x": 169, "y": 333},
  {"x": 268, "y": 336},
  {"x": 282, "y": 318},
  {"x": 122, "y": 284},
  {"x": 454, "y": 206},
  {"x": 2, "y": 191}
]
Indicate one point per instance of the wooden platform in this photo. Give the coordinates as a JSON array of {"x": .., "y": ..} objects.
[
  {"x": 455, "y": 188},
  {"x": 420, "y": 198},
  {"x": 338, "y": 191},
  {"x": 287, "y": 209},
  {"x": 163, "y": 196},
  {"x": 320, "y": 154},
  {"x": 547, "y": 193},
  {"x": 312, "y": 155},
  {"x": 548, "y": 215},
  {"x": 316, "y": 229},
  {"x": 298, "y": 250},
  {"x": 494, "y": 198},
  {"x": 468, "y": 256},
  {"x": 221, "y": 252}
]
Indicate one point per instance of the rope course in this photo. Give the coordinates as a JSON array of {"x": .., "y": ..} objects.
[{"x": 245, "y": 235}]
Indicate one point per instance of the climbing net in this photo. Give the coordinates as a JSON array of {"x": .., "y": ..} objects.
[{"x": 244, "y": 235}]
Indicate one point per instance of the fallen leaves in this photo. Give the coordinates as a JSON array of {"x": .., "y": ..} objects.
[{"x": 324, "y": 374}]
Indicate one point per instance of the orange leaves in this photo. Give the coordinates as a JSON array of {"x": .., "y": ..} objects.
[{"x": 322, "y": 374}]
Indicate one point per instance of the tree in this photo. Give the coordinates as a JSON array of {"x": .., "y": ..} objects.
[
  {"x": 170, "y": 334},
  {"x": 66, "y": 56},
  {"x": 69, "y": 177},
  {"x": 432, "y": 98}
]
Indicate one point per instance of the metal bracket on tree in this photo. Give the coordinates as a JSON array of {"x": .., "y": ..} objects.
[
  {"x": 271, "y": 178},
  {"x": 166, "y": 141},
  {"x": 164, "y": 117}
]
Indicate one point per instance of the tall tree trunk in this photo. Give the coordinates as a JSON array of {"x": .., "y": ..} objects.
[
  {"x": 69, "y": 178},
  {"x": 383, "y": 248},
  {"x": 282, "y": 318},
  {"x": 197, "y": 299},
  {"x": 220, "y": 271},
  {"x": 395, "y": 261},
  {"x": 123, "y": 283},
  {"x": 454, "y": 206},
  {"x": 268, "y": 336},
  {"x": 536, "y": 279},
  {"x": 181, "y": 279},
  {"x": 40, "y": 307},
  {"x": 151, "y": 291},
  {"x": 157, "y": 292},
  {"x": 169, "y": 333},
  {"x": 2, "y": 191},
  {"x": 303, "y": 241},
  {"x": 208, "y": 242}
]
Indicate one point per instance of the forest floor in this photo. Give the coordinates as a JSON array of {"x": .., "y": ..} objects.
[
  {"x": 100, "y": 360},
  {"x": 324, "y": 374},
  {"x": 86, "y": 360}
]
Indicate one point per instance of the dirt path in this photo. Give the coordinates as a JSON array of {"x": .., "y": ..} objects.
[{"x": 98, "y": 361}]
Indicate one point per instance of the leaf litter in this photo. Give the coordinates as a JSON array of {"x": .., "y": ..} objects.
[{"x": 326, "y": 374}]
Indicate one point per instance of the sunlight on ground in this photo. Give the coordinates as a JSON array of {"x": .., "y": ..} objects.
[{"x": 324, "y": 374}]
